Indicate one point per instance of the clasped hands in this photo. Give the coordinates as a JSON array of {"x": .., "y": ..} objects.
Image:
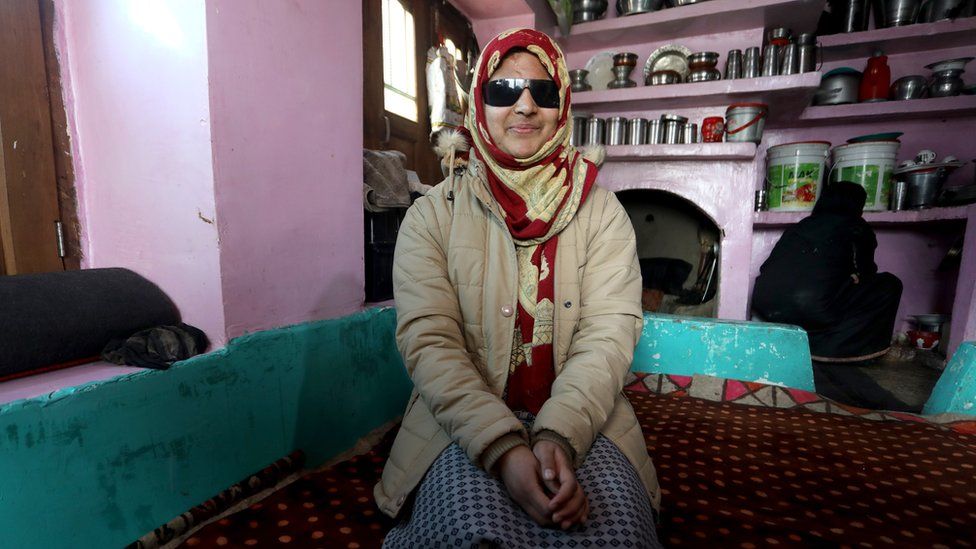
[{"x": 542, "y": 481}]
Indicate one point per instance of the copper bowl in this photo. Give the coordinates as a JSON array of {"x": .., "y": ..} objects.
[{"x": 625, "y": 60}]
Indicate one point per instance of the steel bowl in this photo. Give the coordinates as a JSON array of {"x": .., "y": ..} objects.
[
  {"x": 702, "y": 60},
  {"x": 660, "y": 78},
  {"x": 676, "y": 3},
  {"x": 705, "y": 75},
  {"x": 908, "y": 87},
  {"x": 588, "y": 10},
  {"x": 633, "y": 7}
]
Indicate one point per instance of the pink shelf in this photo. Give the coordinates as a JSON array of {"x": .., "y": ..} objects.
[
  {"x": 909, "y": 39},
  {"x": 932, "y": 108},
  {"x": 696, "y": 151},
  {"x": 713, "y": 17},
  {"x": 786, "y": 95},
  {"x": 955, "y": 213}
]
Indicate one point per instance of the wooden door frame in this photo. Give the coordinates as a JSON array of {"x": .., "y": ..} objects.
[
  {"x": 63, "y": 161},
  {"x": 37, "y": 175}
]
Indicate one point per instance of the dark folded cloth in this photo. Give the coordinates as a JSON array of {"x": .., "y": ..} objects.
[{"x": 158, "y": 347}]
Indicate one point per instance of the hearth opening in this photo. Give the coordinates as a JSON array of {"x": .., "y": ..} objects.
[{"x": 678, "y": 246}]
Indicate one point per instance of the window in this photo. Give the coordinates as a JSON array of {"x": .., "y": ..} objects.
[{"x": 399, "y": 61}]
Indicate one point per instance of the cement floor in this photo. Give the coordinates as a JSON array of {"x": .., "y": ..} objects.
[{"x": 901, "y": 380}]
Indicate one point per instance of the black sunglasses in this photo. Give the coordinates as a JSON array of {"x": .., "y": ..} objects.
[{"x": 505, "y": 92}]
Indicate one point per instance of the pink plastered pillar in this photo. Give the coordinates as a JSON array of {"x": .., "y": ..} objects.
[
  {"x": 286, "y": 98},
  {"x": 217, "y": 151}
]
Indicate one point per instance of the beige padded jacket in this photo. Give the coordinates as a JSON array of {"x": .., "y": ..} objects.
[{"x": 455, "y": 278}]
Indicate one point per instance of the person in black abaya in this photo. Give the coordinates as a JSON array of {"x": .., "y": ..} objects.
[{"x": 822, "y": 277}]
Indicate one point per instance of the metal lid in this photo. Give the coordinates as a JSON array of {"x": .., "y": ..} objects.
[
  {"x": 762, "y": 106},
  {"x": 673, "y": 118}
]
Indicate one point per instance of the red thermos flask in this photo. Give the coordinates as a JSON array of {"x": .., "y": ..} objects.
[{"x": 876, "y": 79}]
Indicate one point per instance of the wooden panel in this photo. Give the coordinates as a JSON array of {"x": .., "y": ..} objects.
[
  {"x": 64, "y": 169},
  {"x": 28, "y": 192}
]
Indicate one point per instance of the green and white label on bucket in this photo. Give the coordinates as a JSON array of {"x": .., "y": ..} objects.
[
  {"x": 877, "y": 184},
  {"x": 869, "y": 165},
  {"x": 794, "y": 186}
]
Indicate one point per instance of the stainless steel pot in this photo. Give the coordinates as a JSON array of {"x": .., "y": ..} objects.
[
  {"x": 896, "y": 13},
  {"x": 852, "y": 15},
  {"x": 940, "y": 10},
  {"x": 924, "y": 186},
  {"x": 838, "y": 87}
]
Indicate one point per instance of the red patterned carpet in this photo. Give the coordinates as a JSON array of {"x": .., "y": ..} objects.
[{"x": 788, "y": 470}]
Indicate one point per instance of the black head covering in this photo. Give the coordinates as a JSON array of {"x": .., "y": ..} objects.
[{"x": 841, "y": 198}]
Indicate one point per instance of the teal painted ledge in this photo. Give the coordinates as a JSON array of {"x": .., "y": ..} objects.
[
  {"x": 955, "y": 391},
  {"x": 99, "y": 465},
  {"x": 747, "y": 351}
]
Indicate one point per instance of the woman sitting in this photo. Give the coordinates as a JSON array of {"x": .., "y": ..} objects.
[
  {"x": 822, "y": 277},
  {"x": 518, "y": 309}
]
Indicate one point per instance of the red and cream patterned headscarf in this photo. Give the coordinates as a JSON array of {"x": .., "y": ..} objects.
[{"x": 539, "y": 196}]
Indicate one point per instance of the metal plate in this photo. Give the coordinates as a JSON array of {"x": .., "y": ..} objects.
[
  {"x": 600, "y": 68},
  {"x": 670, "y": 57},
  {"x": 949, "y": 64}
]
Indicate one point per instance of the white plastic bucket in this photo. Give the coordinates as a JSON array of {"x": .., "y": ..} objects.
[
  {"x": 869, "y": 165},
  {"x": 744, "y": 122},
  {"x": 795, "y": 174}
]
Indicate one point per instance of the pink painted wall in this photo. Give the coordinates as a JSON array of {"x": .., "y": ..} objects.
[
  {"x": 138, "y": 108},
  {"x": 286, "y": 102},
  {"x": 490, "y": 18}
]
